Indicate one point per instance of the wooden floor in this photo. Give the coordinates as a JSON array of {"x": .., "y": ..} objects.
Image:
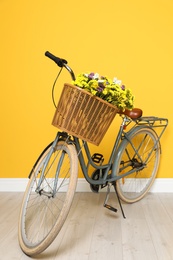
[{"x": 93, "y": 232}]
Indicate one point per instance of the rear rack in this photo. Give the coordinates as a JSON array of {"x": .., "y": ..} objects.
[{"x": 153, "y": 122}]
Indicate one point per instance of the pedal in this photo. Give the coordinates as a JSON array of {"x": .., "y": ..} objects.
[
  {"x": 97, "y": 158},
  {"x": 110, "y": 208}
]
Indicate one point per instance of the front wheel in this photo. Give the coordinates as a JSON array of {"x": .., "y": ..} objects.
[
  {"x": 48, "y": 198},
  {"x": 140, "y": 155}
]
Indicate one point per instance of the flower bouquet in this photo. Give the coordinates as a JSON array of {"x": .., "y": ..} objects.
[{"x": 109, "y": 90}]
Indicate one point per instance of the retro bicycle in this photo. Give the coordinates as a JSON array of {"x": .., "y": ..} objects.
[{"x": 131, "y": 168}]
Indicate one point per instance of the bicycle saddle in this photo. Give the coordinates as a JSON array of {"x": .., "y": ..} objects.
[{"x": 133, "y": 114}]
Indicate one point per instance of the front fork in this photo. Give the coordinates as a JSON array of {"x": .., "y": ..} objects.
[
  {"x": 59, "y": 137},
  {"x": 41, "y": 179}
]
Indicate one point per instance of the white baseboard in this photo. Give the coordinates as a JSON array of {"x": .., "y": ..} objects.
[{"x": 19, "y": 185}]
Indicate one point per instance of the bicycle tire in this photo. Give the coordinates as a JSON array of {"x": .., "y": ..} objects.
[
  {"x": 134, "y": 187},
  {"x": 43, "y": 212}
]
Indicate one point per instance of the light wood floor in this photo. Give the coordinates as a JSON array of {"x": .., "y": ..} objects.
[{"x": 93, "y": 232}]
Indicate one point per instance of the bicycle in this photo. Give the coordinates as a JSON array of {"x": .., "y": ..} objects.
[{"x": 131, "y": 170}]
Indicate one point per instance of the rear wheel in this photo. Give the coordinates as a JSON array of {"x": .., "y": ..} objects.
[
  {"x": 133, "y": 187},
  {"x": 48, "y": 198}
]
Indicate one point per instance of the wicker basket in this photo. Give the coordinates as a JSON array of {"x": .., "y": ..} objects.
[{"x": 83, "y": 115}]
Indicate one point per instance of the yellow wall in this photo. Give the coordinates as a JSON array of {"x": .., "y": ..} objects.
[{"x": 130, "y": 39}]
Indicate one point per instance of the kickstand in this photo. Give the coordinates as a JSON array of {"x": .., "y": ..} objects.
[
  {"x": 119, "y": 200},
  {"x": 106, "y": 199}
]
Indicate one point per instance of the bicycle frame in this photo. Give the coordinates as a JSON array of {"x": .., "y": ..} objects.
[{"x": 104, "y": 169}]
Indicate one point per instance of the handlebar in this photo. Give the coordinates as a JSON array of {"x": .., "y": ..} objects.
[{"x": 61, "y": 63}]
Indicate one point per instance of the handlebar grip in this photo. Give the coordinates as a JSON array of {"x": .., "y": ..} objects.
[{"x": 60, "y": 62}]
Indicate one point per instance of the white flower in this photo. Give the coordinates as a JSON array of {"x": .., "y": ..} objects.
[
  {"x": 116, "y": 81},
  {"x": 96, "y": 76},
  {"x": 101, "y": 80}
]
